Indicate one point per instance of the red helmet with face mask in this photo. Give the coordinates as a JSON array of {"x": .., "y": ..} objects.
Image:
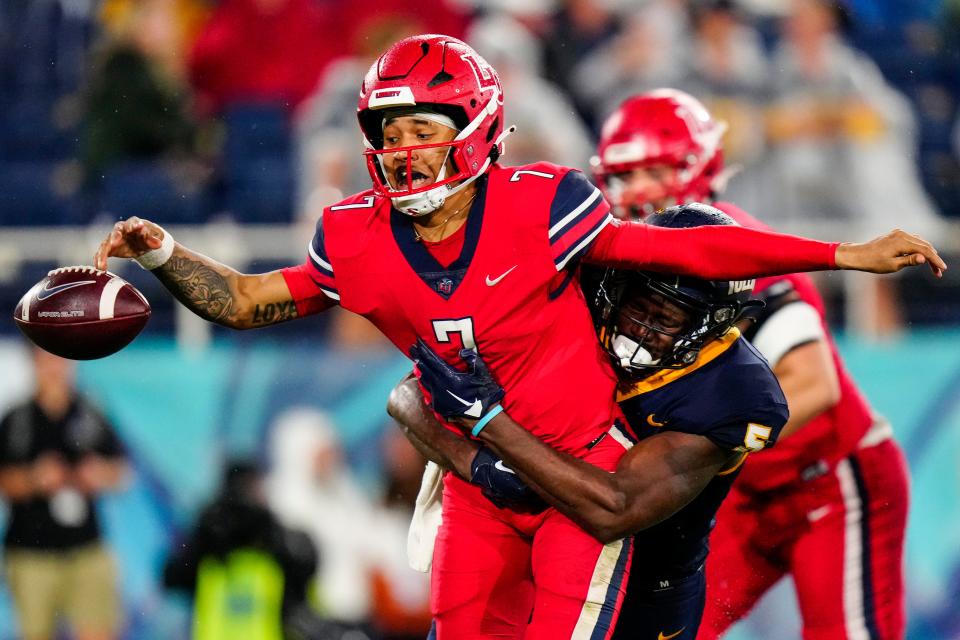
[
  {"x": 446, "y": 81},
  {"x": 661, "y": 127}
]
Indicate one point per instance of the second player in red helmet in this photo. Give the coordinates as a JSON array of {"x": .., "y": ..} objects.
[
  {"x": 659, "y": 149},
  {"x": 828, "y": 505}
]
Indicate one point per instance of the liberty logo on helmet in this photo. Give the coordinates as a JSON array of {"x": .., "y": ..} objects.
[
  {"x": 486, "y": 76},
  {"x": 401, "y": 96}
]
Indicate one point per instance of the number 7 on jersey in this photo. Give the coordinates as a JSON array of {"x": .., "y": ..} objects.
[{"x": 464, "y": 326}]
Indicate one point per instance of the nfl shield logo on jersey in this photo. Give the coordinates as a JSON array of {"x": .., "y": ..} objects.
[{"x": 445, "y": 286}]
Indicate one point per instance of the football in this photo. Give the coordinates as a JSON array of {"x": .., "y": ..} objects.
[{"x": 82, "y": 313}]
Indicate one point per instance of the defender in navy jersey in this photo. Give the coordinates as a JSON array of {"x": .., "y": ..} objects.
[
  {"x": 730, "y": 397},
  {"x": 698, "y": 399},
  {"x": 828, "y": 505}
]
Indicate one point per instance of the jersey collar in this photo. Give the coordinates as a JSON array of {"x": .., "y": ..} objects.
[
  {"x": 708, "y": 354},
  {"x": 441, "y": 280}
]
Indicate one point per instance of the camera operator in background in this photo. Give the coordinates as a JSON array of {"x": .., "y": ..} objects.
[{"x": 57, "y": 455}]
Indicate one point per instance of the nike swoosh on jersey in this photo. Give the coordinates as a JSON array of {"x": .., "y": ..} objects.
[
  {"x": 660, "y": 636},
  {"x": 493, "y": 281},
  {"x": 654, "y": 423},
  {"x": 45, "y": 293}
]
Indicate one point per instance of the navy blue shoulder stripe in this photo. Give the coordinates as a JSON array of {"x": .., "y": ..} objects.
[
  {"x": 575, "y": 198},
  {"x": 318, "y": 251}
]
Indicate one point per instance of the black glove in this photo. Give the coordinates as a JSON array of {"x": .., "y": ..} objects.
[
  {"x": 454, "y": 393},
  {"x": 501, "y": 486}
]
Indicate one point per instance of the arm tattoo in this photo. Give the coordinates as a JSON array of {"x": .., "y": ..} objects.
[
  {"x": 199, "y": 287},
  {"x": 274, "y": 312}
]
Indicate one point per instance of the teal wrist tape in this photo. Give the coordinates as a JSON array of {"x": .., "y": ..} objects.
[{"x": 482, "y": 422}]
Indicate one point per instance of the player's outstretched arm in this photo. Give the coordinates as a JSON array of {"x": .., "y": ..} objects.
[
  {"x": 890, "y": 253},
  {"x": 732, "y": 252},
  {"x": 213, "y": 291}
]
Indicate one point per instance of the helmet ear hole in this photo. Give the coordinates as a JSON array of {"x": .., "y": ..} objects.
[{"x": 492, "y": 131}]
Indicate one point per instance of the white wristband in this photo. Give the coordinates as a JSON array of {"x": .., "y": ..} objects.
[{"x": 158, "y": 257}]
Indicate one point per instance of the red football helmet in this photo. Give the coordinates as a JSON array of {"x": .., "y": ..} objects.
[
  {"x": 666, "y": 127},
  {"x": 441, "y": 75}
]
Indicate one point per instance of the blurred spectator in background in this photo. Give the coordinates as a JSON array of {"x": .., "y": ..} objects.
[
  {"x": 647, "y": 52},
  {"x": 548, "y": 128},
  {"x": 310, "y": 488},
  {"x": 329, "y": 149},
  {"x": 401, "y": 596},
  {"x": 138, "y": 104},
  {"x": 164, "y": 30},
  {"x": 440, "y": 16},
  {"x": 843, "y": 145},
  {"x": 269, "y": 51},
  {"x": 57, "y": 454},
  {"x": 248, "y": 575},
  {"x": 728, "y": 72},
  {"x": 573, "y": 32}
]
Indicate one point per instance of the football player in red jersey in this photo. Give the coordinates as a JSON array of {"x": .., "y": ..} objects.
[
  {"x": 452, "y": 248},
  {"x": 828, "y": 505}
]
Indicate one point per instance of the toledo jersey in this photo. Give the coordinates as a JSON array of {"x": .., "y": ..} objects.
[
  {"x": 509, "y": 293},
  {"x": 730, "y": 396},
  {"x": 794, "y": 315}
]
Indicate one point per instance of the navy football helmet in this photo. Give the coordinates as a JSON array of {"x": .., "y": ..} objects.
[{"x": 650, "y": 321}]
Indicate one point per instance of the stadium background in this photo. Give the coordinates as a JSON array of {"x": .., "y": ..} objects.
[{"x": 185, "y": 396}]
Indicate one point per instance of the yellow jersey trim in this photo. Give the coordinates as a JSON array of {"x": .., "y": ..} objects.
[
  {"x": 708, "y": 354},
  {"x": 736, "y": 465}
]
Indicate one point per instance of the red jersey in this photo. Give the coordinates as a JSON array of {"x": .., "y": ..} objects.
[
  {"x": 512, "y": 292},
  {"x": 509, "y": 294},
  {"x": 830, "y": 436}
]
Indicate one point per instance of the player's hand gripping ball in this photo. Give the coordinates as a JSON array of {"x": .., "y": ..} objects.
[{"x": 82, "y": 313}]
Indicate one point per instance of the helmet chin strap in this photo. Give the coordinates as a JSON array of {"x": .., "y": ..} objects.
[{"x": 426, "y": 202}]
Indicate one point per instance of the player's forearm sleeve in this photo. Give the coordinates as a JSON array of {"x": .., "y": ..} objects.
[
  {"x": 307, "y": 293},
  {"x": 711, "y": 252}
]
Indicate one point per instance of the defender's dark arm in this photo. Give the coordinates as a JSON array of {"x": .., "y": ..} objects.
[
  {"x": 421, "y": 427},
  {"x": 654, "y": 480}
]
